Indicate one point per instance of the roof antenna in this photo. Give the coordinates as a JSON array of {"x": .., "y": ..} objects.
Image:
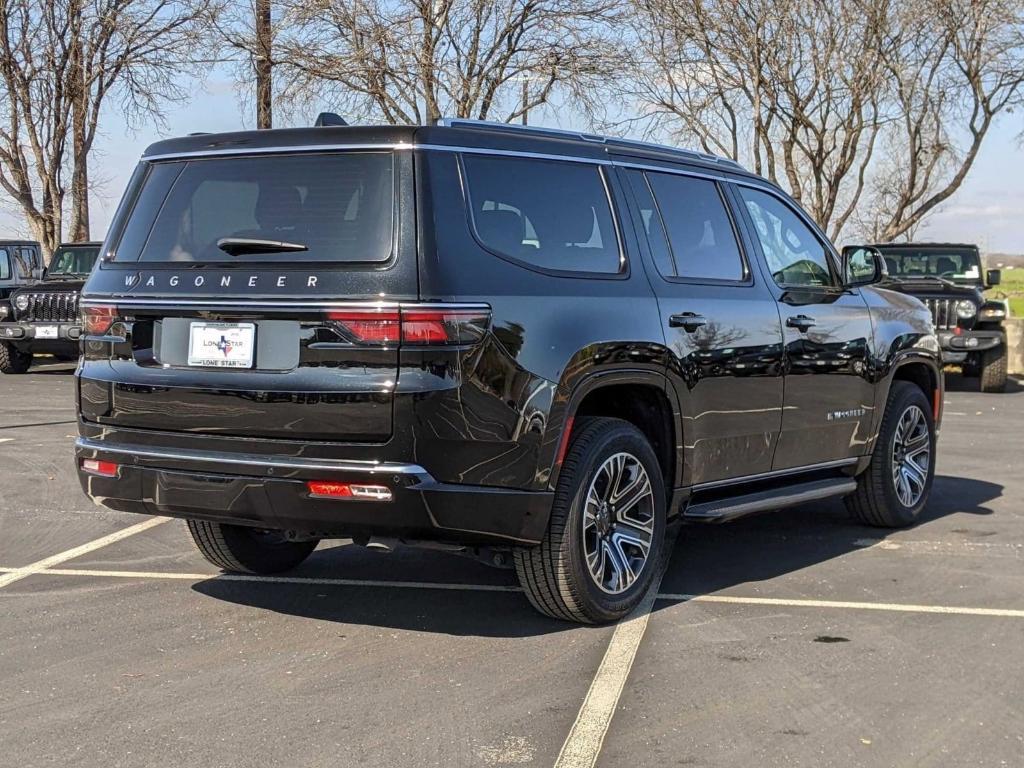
[{"x": 329, "y": 118}]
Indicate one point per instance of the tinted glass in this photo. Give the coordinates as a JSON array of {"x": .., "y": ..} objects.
[
  {"x": 5, "y": 265},
  {"x": 337, "y": 207},
  {"x": 69, "y": 260},
  {"x": 549, "y": 214},
  {"x": 651, "y": 220},
  {"x": 700, "y": 233},
  {"x": 28, "y": 262},
  {"x": 795, "y": 256},
  {"x": 949, "y": 263}
]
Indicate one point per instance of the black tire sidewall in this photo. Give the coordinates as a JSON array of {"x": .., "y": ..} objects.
[
  {"x": 601, "y": 606},
  {"x": 904, "y": 397}
]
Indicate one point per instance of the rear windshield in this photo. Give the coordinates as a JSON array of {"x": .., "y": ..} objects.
[
  {"x": 337, "y": 207},
  {"x": 73, "y": 260}
]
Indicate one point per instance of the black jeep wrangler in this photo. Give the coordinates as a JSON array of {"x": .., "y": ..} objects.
[
  {"x": 43, "y": 317},
  {"x": 493, "y": 338},
  {"x": 21, "y": 263},
  {"x": 949, "y": 279}
]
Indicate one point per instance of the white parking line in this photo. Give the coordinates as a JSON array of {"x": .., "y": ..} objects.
[
  {"x": 583, "y": 744},
  {"x": 953, "y": 610},
  {"x": 17, "y": 574}
]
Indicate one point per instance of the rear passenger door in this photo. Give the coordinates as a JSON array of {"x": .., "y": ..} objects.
[
  {"x": 720, "y": 322},
  {"x": 829, "y": 393}
]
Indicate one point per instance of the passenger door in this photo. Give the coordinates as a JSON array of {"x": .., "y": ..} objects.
[
  {"x": 829, "y": 394},
  {"x": 720, "y": 322}
]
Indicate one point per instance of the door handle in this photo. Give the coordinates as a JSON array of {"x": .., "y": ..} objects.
[
  {"x": 802, "y": 322},
  {"x": 688, "y": 321}
]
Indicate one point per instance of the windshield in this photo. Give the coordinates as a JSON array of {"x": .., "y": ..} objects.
[
  {"x": 948, "y": 263},
  {"x": 73, "y": 260},
  {"x": 323, "y": 207}
]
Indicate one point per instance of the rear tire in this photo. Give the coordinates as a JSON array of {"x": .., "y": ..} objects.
[
  {"x": 993, "y": 370},
  {"x": 609, "y": 508},
  {"x": 13, "y": 360},
  {"x": 892, "y": 492},
  {"x": 248, "y": 550}
]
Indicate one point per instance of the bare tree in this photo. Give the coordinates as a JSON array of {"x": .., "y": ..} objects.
[
  {"x": 855, "y": 106},
  {"x": 248, "y": 29},
  {"x": 412, "y": 61},
  {"x": 60, "y": 61}
]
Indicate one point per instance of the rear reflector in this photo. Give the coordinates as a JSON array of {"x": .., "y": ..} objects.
[
  {"x": 322, "y": 489},
  {"x": 97, "y": 319},
  {"x": 101, "y": 468},
  {"x": 413, "y": 326}
]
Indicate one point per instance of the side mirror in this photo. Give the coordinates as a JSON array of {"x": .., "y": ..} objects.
[
  {"x": 863, "y": 265},
  {"x": 993, "y": 277}
]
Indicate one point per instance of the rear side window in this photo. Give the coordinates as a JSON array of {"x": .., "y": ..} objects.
[
  {"x": 337, "y": 207},
  {"x": 549, "y": 214},
  {"x": 700, "y": 233}
]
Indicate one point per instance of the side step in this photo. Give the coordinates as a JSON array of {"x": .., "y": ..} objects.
[{"x": 723, "y": 510}]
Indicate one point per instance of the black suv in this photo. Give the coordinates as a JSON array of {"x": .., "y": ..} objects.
[
  {"x": 43, "y": 317},
  {"x": 505, "y": 340},
  {"x": 949, "y": 279}
]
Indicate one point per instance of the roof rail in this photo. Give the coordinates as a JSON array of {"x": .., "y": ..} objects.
[{"x": 465, "y": 122}]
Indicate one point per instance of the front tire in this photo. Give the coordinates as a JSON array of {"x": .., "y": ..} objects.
[
  {"x": 607, "y": 528},
  {"x": 993, "y": 370},
  {"x": 895, "y": 487},
  {"x": 13, "y": 360},
  {"x": 242, "y": 549}
]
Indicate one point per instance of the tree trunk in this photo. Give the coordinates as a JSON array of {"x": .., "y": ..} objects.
[
  {"x": 79, "y": 231},
  {"x": 263, "y": 64}
]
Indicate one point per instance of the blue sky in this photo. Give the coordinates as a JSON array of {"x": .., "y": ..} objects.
[{"x": 987, "y": 210}]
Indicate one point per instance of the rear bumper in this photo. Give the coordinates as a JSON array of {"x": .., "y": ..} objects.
[{"x": 270, "y": 492}]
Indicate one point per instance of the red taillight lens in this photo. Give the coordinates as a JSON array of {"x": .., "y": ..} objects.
[
  {"x": 101, "y": 468},
  {"x": 97, "y": 319},
  {"x": 324, "y": 489},
  {"x": 413, "y": 326},
  {"x": 368, "y": 326}
]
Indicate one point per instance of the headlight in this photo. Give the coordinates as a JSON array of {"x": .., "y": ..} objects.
[
  {"x": 966, "y": 309},
  {"x": 21, "y": 302}
]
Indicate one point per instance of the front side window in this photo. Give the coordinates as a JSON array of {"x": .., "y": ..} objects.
[
  {"x": 795, "y": 255},
  {"x": 701, "y": 237},
  {"x": 546, "y": 213},
  {"x": 325, "y": 207},
  {"x": 5, "y": 265}
]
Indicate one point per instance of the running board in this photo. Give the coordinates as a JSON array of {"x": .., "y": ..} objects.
[{"x": 723, "y": 510}]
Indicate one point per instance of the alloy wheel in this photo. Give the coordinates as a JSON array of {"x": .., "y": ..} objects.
[
  {"x": 911, "y": 456},
  {"x": 618, "y": 523}
]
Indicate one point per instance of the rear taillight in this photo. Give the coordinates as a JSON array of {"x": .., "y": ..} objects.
[
  {"x": 101, "y": 468},
  {"x": 97, "y": 318},
  {"x": 413, "y": 326},
  {"x": 325, "y": 489},
  {"x": 368, "y": 326}
]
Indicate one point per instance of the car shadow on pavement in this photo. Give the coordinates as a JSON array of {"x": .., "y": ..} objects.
[
  {"x": 759, "y": 548},
  {"x": 957, "y": 382},
  {"x": 707, "y": 559}
]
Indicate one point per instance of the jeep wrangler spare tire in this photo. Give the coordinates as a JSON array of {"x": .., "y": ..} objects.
[{"x": 243, "y": 549}]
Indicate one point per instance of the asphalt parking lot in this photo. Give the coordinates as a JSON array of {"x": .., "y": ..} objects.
[{"x": 790, "y": 639}]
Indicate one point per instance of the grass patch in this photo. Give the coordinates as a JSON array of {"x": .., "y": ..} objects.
[{"x": 1012, "y": 288}]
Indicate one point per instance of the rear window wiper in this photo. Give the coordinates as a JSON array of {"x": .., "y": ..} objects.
[{"x": 237, "y": 246}]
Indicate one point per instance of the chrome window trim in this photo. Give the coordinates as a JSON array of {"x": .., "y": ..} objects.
[{"x": 255, "y": 460}]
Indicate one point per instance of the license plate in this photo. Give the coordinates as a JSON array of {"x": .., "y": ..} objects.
[
  {"x": 46, "y": 332},
  {"x": 221, "y": 345}
]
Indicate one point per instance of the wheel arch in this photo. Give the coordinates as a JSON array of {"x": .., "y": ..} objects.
[{"x": 643, "y": 398}]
